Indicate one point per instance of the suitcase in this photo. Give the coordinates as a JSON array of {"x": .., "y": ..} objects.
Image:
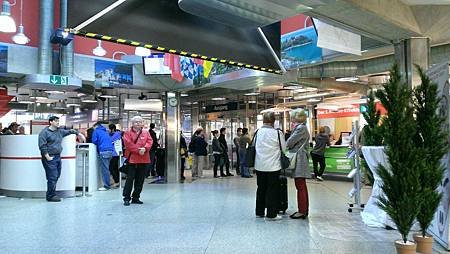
[{"x": 283, "y": 205}]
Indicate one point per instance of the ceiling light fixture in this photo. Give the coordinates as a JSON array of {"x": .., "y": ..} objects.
[
  {"x": 184, "y": 95},
  {"x": 99, "y": 50},
  {"x": 54, "y": 92},
  {"x": 89, "y": 99},
  {"x": 218, "y": 99},
  {"x": 252, "y": 94},
  {"x": 347, "y": 79},
  {"x": 20, "y": 37},
  {"x": 141, "y": 51},
  {"x": 7, "y": 23}
]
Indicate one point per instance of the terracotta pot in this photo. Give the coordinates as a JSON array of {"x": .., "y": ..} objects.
[
  {"x": 405, "y": 248},
  {"x": 424, "y": 244}
]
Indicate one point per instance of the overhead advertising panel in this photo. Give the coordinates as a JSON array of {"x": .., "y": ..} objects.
[
  {"x": 161, "y": 25},
  {"x": 3, "y": 59},
  {"x": 299, "y": 42},
  {"x": 152, "y": 105},
  {"x": 113, "y": 74},
  {"x": 337, "y": 39},
  {"x": 154, "y": 64}
]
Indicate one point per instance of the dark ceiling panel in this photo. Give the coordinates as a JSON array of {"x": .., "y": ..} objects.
[{"x": 163, "y": 23}]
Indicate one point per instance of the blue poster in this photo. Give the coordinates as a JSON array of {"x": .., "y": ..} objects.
[
  {"x": 300, "y": 47},
  {"x": 3, "y": 59},
  {"x": 113, "y": 74}
]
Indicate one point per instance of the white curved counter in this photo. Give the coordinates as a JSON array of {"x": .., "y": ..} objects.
[{"x": 21, "y": 170}]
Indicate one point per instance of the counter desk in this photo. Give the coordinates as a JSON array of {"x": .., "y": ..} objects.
[
  {"x": 21, "y": 170},
  {"x": 336, "y": 160}
]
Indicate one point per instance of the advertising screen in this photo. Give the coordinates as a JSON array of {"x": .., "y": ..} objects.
[
  {"x": 154, "y": 64},
  {"x": 113, "y": 74}
]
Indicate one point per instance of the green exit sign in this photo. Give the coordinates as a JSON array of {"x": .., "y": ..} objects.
[{"x": 59, "y": 80}]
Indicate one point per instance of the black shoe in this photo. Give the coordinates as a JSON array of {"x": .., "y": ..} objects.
[
  {"x": 126, "y": 202},
  {"x": 54, "y": 199},
  {"x": 223, "y": 175},
  {"x": 229, "y": 174},
  {"x": 137, "y": 202},
  {"x": 182, "y": 178},
  {"x": 216, "y": 177}
]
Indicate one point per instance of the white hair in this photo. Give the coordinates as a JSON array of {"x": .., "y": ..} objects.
[
  {"x": 136, "y": 119},
  {"x": 297, "y": 115}
]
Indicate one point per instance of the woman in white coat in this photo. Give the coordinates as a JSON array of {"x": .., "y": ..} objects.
[{"x": 298, "y": 141}]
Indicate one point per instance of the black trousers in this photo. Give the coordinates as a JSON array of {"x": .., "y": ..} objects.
[
  {"x": 135, "y": 176},
  {"x": 226, "y": 162},
  {"x": 318, "y": 159},
  {"x": 217, "y": 163},
  {"x": 267, "y": 193},
  {"x": 238, "y": 162},
  {"x": 114, "y": 168},
  {"x": 183, "y": 162}
]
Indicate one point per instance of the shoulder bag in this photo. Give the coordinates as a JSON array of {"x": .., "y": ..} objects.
[
  {"x": 124, "y": 168},
  {"x": 284, "y": 160},
  {"x": 250, "y": 153}
]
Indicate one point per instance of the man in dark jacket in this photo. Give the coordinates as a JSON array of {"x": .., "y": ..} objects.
[
  {"x": 318, "y": 152},
  {"x": 105, "y": 148},
  {"x": 223, "y": 142},
  {"x": 50, "y": 140},
  {"x": 155, "y": 146}
]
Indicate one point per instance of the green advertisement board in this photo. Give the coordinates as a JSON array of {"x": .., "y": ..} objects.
[{"x": 336, "y": 161}]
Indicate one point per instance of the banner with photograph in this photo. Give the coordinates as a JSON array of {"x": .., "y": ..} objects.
[
  {"x": 113, "y": 74},
  {"x": 3, "y": 59}
]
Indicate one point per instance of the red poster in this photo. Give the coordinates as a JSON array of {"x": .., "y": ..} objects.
[{"x": 343, "y": 112}]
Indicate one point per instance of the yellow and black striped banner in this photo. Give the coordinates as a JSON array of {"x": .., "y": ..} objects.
[{"x": 167, "y": 50}]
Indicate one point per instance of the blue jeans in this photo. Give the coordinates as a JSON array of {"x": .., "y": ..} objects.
[
  {"x": 243, "y": 161},
  {"x": 52, "y": 173},
  {"x": 105, "y": 159}
]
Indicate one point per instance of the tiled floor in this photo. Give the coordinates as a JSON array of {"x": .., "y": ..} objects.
[{"x": 204, "y": 216}]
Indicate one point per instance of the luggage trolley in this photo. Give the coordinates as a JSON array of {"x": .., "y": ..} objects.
[{"x": 355, "y": 192}]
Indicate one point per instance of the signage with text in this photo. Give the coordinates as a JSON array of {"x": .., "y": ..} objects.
[
  {"x": 230, "y": 106},
  {"x": 343, "y": 112},
  {"x": 59, "y": 80}
]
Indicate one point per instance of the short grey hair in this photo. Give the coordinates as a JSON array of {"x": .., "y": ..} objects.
[
  {"x": 297, "y": 115},
  {"x": 269, "y": 117},
  {"x": 136, "y": 119}
]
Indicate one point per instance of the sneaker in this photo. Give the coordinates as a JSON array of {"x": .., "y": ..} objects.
[
  {"x": 54, "y": 199},
  {"x": 126, "y": 202},
  {"x": 260, "y": 216},
  {"x": 319, "y": 178},
  {"x": 103, "y": 189},
  {"x": 278, "y": 217},
  {"x": 137, "y": 202}
]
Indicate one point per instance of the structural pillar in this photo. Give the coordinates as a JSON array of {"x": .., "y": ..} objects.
[
  {"x": 409, "y": 53},
  {"x": 173, "y": 122}
]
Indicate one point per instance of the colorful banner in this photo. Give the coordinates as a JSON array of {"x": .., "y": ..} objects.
[
  {"x": 440, "y": 225},
  {"x": 343, "y": 112},
  {"x": 113, "y": 74}
]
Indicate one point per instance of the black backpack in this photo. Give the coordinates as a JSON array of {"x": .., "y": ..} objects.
[{"x": 191, "y": 147}]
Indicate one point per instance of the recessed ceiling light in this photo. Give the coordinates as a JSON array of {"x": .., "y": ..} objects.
[
  {"x": 251, "y": 94},
  {"x": 184, "y": 95},
  {"x": 54, "y": 92},
  {"x": 347, "y": 79},
  {"x": 218, "y": 99}
]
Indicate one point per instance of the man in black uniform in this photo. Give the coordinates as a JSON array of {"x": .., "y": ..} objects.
[{"x": 224, "y": 145}]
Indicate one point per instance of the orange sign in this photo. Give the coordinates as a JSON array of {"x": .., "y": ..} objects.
[{"x": 343, "y": 112}]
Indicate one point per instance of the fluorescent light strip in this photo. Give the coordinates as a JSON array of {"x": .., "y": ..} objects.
[{"x": 99, "y": 15}]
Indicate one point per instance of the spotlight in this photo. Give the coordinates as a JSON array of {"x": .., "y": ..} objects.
[{"x": 60, "y": 36}]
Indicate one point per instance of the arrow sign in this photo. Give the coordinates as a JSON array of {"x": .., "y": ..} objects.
[
  {"x": 59, "y": 80},
  {"x": 53, "y": 79}
]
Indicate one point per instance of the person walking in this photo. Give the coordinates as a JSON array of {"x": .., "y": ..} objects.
[
  {"x": 138, "y": 143},
  {"x": 105, "y": 148},
  {"x": 318, "y": 153},
  {"x": 236, "y": 148},
  {"x": 217, "y": 152},
  {"x": 268, "y": 166},
  {"x": 200, "y": 153},
  {"x": 116, "y": 139},
  {"x": 151, "y": 169},
  {"x": 183, "y": 154},
  {"x": 50, "y": 139},
  {"x": 224, "y": 144},
  {"x": 244, "y": 141},
  {"x": 298, "y": 142}
]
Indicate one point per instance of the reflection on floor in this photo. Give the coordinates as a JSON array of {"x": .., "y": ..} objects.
[{"x": 204, "y": 216}]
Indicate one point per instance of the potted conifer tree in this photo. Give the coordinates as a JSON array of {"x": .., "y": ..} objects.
[
  {"x": 431, "y": 138},
  {"x": 400, "y": 180}
]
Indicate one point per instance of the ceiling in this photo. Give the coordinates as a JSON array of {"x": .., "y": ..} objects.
[{"x": 426, "y": 2}]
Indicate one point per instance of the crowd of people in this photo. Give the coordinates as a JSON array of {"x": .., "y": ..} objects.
[{"x": 13, "y": 129}]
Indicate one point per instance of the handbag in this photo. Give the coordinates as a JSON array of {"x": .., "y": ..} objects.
[
  {"x": 284, "y": 160},
  {"x": 125, "y": 166},
  {"x": 250, "y": 153},
  {"x": 293, "y": 158}
]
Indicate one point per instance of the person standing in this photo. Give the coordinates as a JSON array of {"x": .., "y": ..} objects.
[
  {"x": 12, "y": 129},
  {"x": 224, "y": 144},
  {"x": 318, "y": 153},
  {"x": 200, "y": 152},
  {"x": 105, "y": 148},
  {"x": 192, "y": 149},
  {"x": 236, "y": 148},
  {"x": 116, "y": 139},
  {"x": 138, "y": 143},
  {"x": 298, "y": 142},
  {"x": 155, "y": 146},
  {"x": 217, "y": 152},
  {"x": 50, "y": 139},
  {"x": 268, "y": 167},
  {"x": 183, "y": 154},
  {"x": 244, "y": 141}
]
